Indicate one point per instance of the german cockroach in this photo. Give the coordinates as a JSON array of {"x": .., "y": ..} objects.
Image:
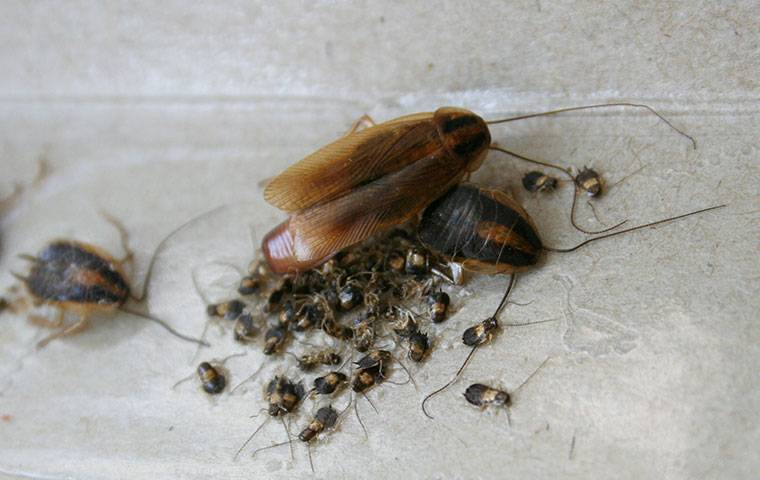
[
  {"x": 419, "y": 345},
  {"x": 282, "y": 396},
  {"x": 337, "y": 330},
  {"x": 212, "y": 375},
  {"x": 324, "y": 419},
  {"x": 375, "y": 358},
  {"x": 229, "y": 310},
  {"x": 328, "y": 384},
  {"x": 488, "y": 232},
  {"x": 539, "y": 182},
  {"x": 244, "y": 329},
  {"x": 274, "y": 338},
  {"x": 405, "y": 325},
  {"x": 438, "y": 303},
  {"x": 589, "y": 181},
  {"x": 416, "y": 262},
  {"x": 363, "y": 334},
  {"x": 274, "y": 298},
  {"x": 287, "y": 314},
  {"x": 364, "y": 379},
  {"x": 349, "y": 297},
  {"x": 484, "y": 396},
  {"x": 83, "y": 279},
  {"x": 373, "y": 179}
]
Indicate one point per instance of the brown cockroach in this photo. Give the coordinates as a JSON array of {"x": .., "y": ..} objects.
[
  {"x": 86, "y": 280},
  {"x": 373, "y": 179},
  {"x": 488, "y": 232}
]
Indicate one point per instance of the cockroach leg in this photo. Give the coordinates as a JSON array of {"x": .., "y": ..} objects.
[{"x": 81, "y": 325}]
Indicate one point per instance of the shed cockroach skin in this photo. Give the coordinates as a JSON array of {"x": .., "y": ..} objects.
[{"x": 370, "y": 181}]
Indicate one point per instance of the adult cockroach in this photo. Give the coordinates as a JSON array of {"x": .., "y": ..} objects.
[
  {"x": 488, "y": 232},
  {"x": 83, "y": 279},
  {"x": 373, "y": 179}
]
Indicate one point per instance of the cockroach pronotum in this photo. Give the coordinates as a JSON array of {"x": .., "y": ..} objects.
[
  {"x": 488, "y": 232},
  {"x": 83, "y": 279},
  {"x": 371, "y": 180}
]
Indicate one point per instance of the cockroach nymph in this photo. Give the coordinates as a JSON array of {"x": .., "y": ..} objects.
[
  {"x": 438, "y": 303},
  {"x": 349, "y": 297},
  {"x": 375, "y": 358},
  {"x": 244, "y": 329},
  {"x": 249, "y": 285},
  {"x": 416, "y": 262},
  {"x": 371, "y": 180},
  {"x": 211, "y": 374},
  {"x": 274, "y": 338},
  {"x": 364, "y": 379},
  {"x": 282, "y": 396},
  {"x": 539, "y": 182},
  {"x": 325, "y": 419},
  {"x": 419, "y": 345},
  {"x": 484, "y": 396},
  {"x": 328, "y": 384},
  {"x": 405, "y": 326},
  {"x": 590, "y": 182},
  {"x": 83, "y": 279},
  {"x": 229, "y": 310},
  {"x": 486, "y": 231}
]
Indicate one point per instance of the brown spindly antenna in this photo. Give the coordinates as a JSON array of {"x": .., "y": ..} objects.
[
  {"x": 600, "y": 105},
  {"x": 632, "y": 229}
]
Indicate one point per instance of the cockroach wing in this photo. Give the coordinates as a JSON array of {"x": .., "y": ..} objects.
[
  {"x": 354, "y": 160},
  {"x": 321, "y": 231}
]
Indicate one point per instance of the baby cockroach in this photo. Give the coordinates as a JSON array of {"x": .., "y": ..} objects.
[
  {"x": 229, "y": 310},
  {"x": 396, "y": 261},
  {"x": 249, "y": 285},
  {"x": 245, "y": 329},
  {"x": 589, "y": 181},
  {"x": 484, "y": 396},
  {"x": 488, "y": 232},
  {"x": 274, "y": 339},
  {"x": 282, "y": 396},
  {"x": 372, "y": 180},
  {"x": 310, "y": 361},
  {"x": 364, "y": 379},
  {"x": 438, "y": 303},
  {"x": 83, "y": 279},
  {"x": 328, "y": 384},
  {"x": 419, "y": 345},
  {"x": 349, "y": 297},
  {"x": 287, "y": 313},
  {"x": 211, "y": 374},
  {"x": 363, "y": 335},
  {"x": 539, "y": 182},
  {"x": 416, "y": 262},
  {"x": 325, "y": 419},
  {"x": 375, "y": 358},
  {"x": 275, "y": 297}
]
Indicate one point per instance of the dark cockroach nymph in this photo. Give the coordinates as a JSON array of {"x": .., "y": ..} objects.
[
  {"x": 282, "y": 396},
  {"x": 274, "y": 339},
  {"x": 255, "y": 280},
  {"x": 229, "y": 310},
  {"x": 330, "y": 383},
  {"x": 211, "y": 375},
  {"x": 589, "y": 181},
  {"x": 349, "y": 297},
  {"x": 438, "y": 303},
  {"x": 85, "y": 280},
  {"x": 245, "y": 329},
  {"x": 419, "y": 345},
  {"x": 488, "y": 232},
  {"x": 372, "y": 180},
  {"x": 416, "y": 262},
  {"x": 325, "y": 419},
  {"x": 484, "y": 396},
  {"x": 539, "y": 182}
]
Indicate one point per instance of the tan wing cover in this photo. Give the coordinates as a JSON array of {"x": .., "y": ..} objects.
[
  {"x": 352, "y": 161},
  {"x": 323, "y": 230}
]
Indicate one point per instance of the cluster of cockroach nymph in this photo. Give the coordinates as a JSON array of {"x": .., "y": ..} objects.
[{"x": 381, "y": 227}]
